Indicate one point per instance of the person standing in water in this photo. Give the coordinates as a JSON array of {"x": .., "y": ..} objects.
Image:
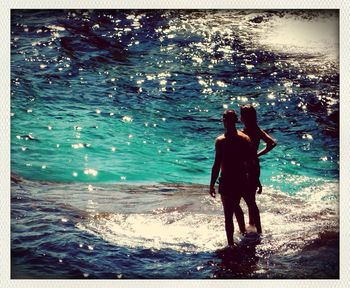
[
  {"x": 255, "y": 133},
  {"x": 236, "y": 159}
]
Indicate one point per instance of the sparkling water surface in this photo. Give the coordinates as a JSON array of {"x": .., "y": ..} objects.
[{"x": 113, "y": 120}]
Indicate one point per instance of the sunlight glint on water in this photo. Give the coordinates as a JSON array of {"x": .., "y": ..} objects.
[{"x": 113, "y": 121}]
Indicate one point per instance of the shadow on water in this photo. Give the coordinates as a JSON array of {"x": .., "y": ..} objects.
[{"x": 240, "y": 260}]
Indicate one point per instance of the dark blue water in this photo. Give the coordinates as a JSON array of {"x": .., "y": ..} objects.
[{"x": 113, "y": 121}]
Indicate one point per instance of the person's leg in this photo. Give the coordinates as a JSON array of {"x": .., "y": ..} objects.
[
  {"x": 228, "y": 213},
  {"x": 240, "y": 218},
  {"x": 251, "y": 213},
  {"x": 254, "y": 212}
]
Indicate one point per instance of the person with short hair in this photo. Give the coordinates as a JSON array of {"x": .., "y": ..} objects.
[{"x": 236, "y": 159}]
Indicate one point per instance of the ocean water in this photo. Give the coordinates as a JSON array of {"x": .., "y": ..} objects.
[{"x": 114, "y": 114}]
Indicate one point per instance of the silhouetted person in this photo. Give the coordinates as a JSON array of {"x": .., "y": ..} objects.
[
  {"x": 236, "y": 159},
  {"x": 255, "y": 133}
]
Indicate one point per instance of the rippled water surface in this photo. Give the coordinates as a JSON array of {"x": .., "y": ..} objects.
[{"x": 113, "y": 121}]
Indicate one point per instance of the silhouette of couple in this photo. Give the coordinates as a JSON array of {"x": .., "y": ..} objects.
[{"x": 236, "y": 156}]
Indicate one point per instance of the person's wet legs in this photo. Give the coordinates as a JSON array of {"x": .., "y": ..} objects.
[
  {"x": 254, "y": 212},
  {"x": 240, "y": 219},
  {"x": 250, "y": 211},
  {"x": 256, "y": 217},
  {"x": 229, "y": 206}
]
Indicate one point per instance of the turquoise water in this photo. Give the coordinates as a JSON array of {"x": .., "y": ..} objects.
[
  {"x": 139, "y": 97},
  {"x": 136, "y": 98}
]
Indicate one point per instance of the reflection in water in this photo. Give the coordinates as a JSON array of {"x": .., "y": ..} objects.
[{"x": 240, "y": 260}]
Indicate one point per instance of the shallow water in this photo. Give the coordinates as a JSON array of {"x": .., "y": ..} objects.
[
  {"x": 166, "y": 231},
  {"x": 113, "y": 121}
]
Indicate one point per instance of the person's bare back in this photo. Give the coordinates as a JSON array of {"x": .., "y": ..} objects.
[
  {"x": 236, "y": 160},
  {"x": 236, "y": 151}
]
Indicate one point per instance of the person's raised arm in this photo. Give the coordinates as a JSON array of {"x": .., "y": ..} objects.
[
  {"x": 215, "y": 169},
  {"x": 270, "y": 143}
]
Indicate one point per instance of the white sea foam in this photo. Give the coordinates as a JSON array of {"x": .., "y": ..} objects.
[
  {"x": 297, "y": 35},
  {"x": 289, "y": 222},
  {"x": 178, "y": 231}
]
